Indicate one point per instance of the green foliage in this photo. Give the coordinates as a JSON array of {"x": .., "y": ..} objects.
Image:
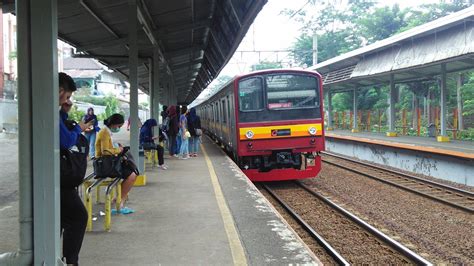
[
  {"x": 91, "y": 99},
  {"x": 75, "y": 114},
  {"x": 266, "y": 65},
  {"x": 468, "y": 96},
  {"x": 359, "y": 23}
]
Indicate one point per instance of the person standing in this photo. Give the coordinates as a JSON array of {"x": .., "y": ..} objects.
[
  {"x": 164, "y": 113},
  {"x": 91, "y": 132},
  {"x": 173, "y": 130},
  {"x": 73, "y": 212},
  {"x": 184, "y": 134},
  {"x": 194, "y": 127}
]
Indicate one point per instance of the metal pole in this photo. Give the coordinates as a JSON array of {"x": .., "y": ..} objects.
[
  {"x": 315, "y": 49},
  {"x": 156, "y": 83},
  {"x": 459, "y": 101},
  {"x": 150, "y": 88},
  {"x": 443, "y": 136},
  {"x": 330, "y": 127},
  {"x": 24, "y": 255},
  {"x": 355, "y": 127},
  {"x": 133, "y": 76},
  {"x": 391, "y": 114}
]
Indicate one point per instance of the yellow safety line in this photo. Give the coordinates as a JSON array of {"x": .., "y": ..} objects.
[{"x": 238, "y": 254}]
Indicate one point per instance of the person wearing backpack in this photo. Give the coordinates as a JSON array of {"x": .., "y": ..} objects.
[
  {"x": 194, "y": 127},
  {"x": 73, "y": 212}
]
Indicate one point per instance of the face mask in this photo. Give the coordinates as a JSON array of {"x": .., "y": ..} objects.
[{"x": 115, "y": 130}]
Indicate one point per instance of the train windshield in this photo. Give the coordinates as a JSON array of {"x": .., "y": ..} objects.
[
  {"x": 279, "y": 96},
  {"x": 287, "y": 91}
]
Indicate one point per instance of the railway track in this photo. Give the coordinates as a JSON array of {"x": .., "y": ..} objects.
[
  {"x": 448, "y": 195},
  {"x": 359, "y": 242}
]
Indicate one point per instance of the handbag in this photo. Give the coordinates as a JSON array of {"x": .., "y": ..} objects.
[
  {"x": 198, "y": 132},
  {"x": 108, "y": 166}
]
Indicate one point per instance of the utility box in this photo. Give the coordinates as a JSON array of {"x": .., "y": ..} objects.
[{"x": 431, "y": 131}]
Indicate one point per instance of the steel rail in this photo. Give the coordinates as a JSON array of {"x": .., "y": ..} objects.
[
  {"x": 329, "y": 249},
  {"x": 417, "y": 179},
  {"x": 392, "y": 243},
  {"x": 440, "y": 185}
]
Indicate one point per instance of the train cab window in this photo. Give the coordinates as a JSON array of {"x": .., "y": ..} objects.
[
  {"x": 251, "y": 94},
  {"x": 290, "y": 91}
]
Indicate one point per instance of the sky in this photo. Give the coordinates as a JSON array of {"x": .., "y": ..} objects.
[{"x": 271, "y": 31}]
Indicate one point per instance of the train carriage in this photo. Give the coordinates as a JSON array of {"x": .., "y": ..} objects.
[{"x": 270, "y": 121}]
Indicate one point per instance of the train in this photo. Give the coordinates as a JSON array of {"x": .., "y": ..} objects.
[{"x": 270, "y": 122}]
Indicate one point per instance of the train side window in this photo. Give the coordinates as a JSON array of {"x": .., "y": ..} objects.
[
  {"x": 251, "y": 94},
  {"x": 228, "y": 108},
  {"x": 217, "y": 113},
  {"x": 224, "y": 113}
]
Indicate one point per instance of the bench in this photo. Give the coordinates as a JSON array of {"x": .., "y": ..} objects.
[{"x": 112, "y": 187}]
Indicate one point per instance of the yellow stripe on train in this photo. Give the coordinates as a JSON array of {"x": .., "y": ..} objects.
[{"x": 284, "y": 131}]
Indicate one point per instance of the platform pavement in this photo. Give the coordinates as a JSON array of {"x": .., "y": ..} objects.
[
  {"x": 178, "y": 221},
  {"x": 454, "y": 145}
]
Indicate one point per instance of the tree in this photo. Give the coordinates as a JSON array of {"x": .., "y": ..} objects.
[{"x": 265, "y": 65}]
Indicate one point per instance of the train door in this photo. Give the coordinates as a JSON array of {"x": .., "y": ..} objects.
[
  {"x": 223, "y": 128},
  {"x": 229, "y": 122},
  {"x": 232, "y": 136}
]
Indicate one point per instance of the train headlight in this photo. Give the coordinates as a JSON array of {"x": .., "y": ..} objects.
[
  {"x": 312, "y": 131},
  {"x": 249, "y": 134}
]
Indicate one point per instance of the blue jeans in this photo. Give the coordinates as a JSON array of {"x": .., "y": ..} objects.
[
  {"x": 178, "y": 142},
  {"x": 194, "y": 144},
  {"x": 184, "y": 149},
  {"x": 91, "y": 139}
]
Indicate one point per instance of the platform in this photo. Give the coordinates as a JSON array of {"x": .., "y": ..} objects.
[
  {"x": 452, "y": 161},
  {"x": 456, "y": 148},
  {"x": 201, "y": 211}
]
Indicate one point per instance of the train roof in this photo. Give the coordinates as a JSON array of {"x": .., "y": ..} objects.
[{"x": 260, "y": 72}]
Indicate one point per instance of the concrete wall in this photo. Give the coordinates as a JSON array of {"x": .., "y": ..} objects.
[
  {"x": 443, "y": 167},
  {"x": 9, "y": 115}
]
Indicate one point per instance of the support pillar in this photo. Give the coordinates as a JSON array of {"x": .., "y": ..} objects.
[
  {"x": 391, "y": 113},
  {"x": 155, "y": 86},
  {"x": 330, "y": 126},
  {"x": 355, "y": 126},
  {"x": 133, "y": 76},
  {"x": 151, "y": 92},
  {"x": 459, "y": 101},
  {"x": 443, "y": 137},
  {"x": 38, "y": 133}
]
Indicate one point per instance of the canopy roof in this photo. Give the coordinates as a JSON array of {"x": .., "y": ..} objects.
[{"x": 196, "y": 38}]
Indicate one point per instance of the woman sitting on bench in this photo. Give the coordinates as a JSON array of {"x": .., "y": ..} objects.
[
  {"x": 147, "y": 140},
  {"x": 104, "y": 145}
]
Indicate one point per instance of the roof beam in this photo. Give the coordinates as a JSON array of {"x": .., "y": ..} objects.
[
  {"x": 99, "y": 19},
  {"x": 169, "y": 29},
  {"x": 190, "y": 49},
  {"x": 187, "y": 64},
  {"x": 102, "y": 44}
]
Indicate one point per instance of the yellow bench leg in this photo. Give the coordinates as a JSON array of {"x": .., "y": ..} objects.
[
  {"x": 108, "y": 212},
  {"x": 119, "y": 197},
  {"x": 89, "y": 211}
]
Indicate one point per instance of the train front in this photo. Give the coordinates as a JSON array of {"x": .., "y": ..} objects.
[{"x": 280, "y": 125}]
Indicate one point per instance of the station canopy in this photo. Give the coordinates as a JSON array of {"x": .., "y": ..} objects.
[{"x": 196, "y": 38}]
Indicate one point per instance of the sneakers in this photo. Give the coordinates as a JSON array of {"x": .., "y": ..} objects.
[
  {"x": 175, "y": 155},
  {"x": 184, "y": 158},
  {"x": 164, "y": 167}
]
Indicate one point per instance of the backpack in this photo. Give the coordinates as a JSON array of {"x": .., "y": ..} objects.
[
  {"x": 166, "y": 124},
  {"x": 73, "y": 162}
]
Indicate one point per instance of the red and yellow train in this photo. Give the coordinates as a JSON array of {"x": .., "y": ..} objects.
[{"x": 271, "y": 122}]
